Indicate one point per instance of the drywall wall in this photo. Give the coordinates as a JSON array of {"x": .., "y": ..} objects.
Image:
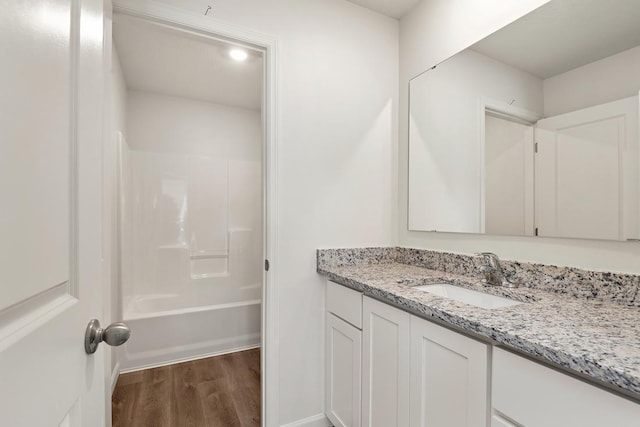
[
  {"x": 445, "y": 130},
  {"x": 606, "y": 80},
  {"x": 433, "y": 31},
  {"x": 338, "y": 85}
]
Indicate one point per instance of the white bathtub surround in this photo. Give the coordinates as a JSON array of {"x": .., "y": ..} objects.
[
  {"x": 191, "y": 210},
  {"x": 192, "y": 285},
  {"x": 196, "y": 222}
]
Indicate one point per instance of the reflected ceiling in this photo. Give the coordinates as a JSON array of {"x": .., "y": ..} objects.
[{"x": 563, "y": 35}]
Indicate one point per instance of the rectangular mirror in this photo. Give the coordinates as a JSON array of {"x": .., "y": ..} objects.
[{"x": 533, "y": 131}]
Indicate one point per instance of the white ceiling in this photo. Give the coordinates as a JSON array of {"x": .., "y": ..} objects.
[
  {"x": 393, "y": 8},
  {"x": 565, "y": 34},
  {"x": 165, "y": 61}
]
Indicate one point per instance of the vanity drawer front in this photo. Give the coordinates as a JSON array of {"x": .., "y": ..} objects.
[
  {"x": 532, "y": 394},
  {"x": 345, "y": 303}
]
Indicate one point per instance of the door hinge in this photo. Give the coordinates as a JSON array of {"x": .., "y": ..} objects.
[
  {"x": 535, "y": 147},
  {"x": 266, "y": 265},
  {"x": 536, "y": 231}
]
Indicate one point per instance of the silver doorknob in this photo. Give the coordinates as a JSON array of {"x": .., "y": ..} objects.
[{"x": 115, "y": 334}]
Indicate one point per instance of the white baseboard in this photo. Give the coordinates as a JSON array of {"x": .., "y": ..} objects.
[
  {"x": 115, "y": 374},
  {"x": 319, "y": 420}
]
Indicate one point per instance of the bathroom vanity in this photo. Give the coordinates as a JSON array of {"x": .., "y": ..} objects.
[
  {"x": 532, "y": 131},
  {"x": 399, "y": 356}
]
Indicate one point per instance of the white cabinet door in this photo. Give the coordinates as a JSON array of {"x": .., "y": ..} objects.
[
  {"x": 50, "y": 221},
  {"x": 449, "y": 377},
  {"x": 385, "y": 362},
  {"x": 343, "y": 359},
  {"x": 534, "y": 395}
]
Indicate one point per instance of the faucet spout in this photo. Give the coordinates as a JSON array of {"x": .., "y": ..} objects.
[{"x": 492, "y": 270}]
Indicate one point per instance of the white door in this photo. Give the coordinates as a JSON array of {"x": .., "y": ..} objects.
[
  {"x": 449, "y": 377},
  {"x": 385, "y": 365},
  {"x": 51, "y": 87},
  {"x": 508, "y": 186},
  {"x": 587, "y": 173}
]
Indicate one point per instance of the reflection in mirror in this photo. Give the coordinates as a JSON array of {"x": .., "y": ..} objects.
[{"x": 533, "y": 130}]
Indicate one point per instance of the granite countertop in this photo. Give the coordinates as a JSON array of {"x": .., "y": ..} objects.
[{"x": 598, "y": 339}]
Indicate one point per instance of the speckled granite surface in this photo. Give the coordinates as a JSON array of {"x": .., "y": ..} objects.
[
  {"x": 623, "y": 289},
  {"x": 591, "y": 336},
  {"x": 354, "y": 256}
]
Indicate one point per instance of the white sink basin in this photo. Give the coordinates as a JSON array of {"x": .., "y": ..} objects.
[{"x": 468, "y": 296}]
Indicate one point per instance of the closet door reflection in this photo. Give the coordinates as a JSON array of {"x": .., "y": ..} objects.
[{"x": 587, "y": 172}]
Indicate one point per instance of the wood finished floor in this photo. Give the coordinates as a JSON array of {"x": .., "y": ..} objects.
[{"x": 217, "y": 391}]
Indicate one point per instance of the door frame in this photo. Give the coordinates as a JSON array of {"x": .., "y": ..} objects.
[
  {"x": 514, "y": 113},
  {"x": 209, "y": 27}
]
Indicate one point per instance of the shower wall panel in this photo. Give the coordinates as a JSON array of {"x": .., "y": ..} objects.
[
  {"x": 192, "y": 204},
  {"x": 195, "y": 220}
]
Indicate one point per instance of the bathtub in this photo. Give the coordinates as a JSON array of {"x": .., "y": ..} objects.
[{"x": 167, "y": 329}]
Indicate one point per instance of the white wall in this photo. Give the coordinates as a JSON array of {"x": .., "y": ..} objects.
[
  {"x": 170, "y": 124},
  {"x": 433, "y": 31},
  {"x": 338, "y": 109},
  {"x": 446, "y": 136},
  {"x": 609, "y": 79}
]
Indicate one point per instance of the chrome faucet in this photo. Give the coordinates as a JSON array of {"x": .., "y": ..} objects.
[{"x": 493, "y": 274}]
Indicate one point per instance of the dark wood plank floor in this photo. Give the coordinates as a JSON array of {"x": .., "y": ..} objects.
[{"x": 217, "y": 391}]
